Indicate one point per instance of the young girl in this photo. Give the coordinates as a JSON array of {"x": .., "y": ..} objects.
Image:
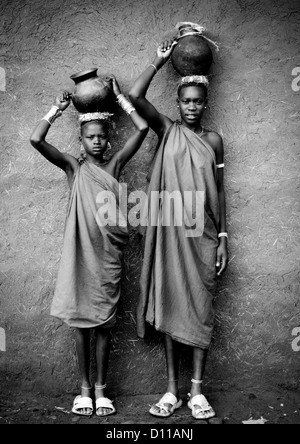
[
  {"x": 88, "y": 282},
  {"x": 179, "y": 269}
]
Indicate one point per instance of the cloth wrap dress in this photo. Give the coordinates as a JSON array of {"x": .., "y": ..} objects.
[
  {"x": 178, "y": 276},
  {"x": 88, "y": 282}
]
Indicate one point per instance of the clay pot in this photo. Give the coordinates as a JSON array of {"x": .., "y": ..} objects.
[
  {"x": 92, "y": 93},
  {"x": 192, "y": 55}
]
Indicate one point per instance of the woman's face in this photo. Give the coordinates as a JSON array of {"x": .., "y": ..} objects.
[
  {"x": 94, "y": 138},
  {"x": 191, "y": 103}
]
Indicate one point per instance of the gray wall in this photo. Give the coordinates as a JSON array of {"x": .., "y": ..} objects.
[{"x": 254, "y": 108}]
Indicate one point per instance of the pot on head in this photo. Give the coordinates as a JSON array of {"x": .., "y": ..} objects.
[
  {"x": 192, "y": 55},
  {"x": 92, "y": 93}
]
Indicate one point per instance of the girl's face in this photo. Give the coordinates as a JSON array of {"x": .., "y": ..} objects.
[
  {"x": 192, "y": 101},
  {"x": 94, "y": 138}
]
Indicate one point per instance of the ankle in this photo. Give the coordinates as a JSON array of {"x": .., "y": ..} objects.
[
  {"x": 196, "y": 388},
  {"x": 99, "y": 390},
  {"x": 173, "y": 387},
  {"x": 86, "y": 390}
]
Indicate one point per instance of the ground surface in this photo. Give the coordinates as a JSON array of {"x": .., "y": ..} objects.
[{"x": 232, "y": 407}]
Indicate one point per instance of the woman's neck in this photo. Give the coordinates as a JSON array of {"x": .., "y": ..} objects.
[
  {"x": 197, "y": 128},
  {"x": 96, "y": 160}
]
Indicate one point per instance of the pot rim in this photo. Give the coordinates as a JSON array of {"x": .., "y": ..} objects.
[
  {"x": 83, "y": 73},
  {"x": 187, "y": 33}
]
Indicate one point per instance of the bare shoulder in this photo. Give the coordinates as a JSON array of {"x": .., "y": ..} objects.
[
  {"x": 215, "y": 141},
  {"x": 214, "y": 138}
]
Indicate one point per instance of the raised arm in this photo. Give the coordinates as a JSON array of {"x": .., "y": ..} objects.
[
  {"x": 158, "y": 122},
  {"x": 38, "y": 137},
  {"x": 135, "y": 141}
]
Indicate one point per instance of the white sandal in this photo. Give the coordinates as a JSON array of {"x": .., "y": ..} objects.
[
  {"x": 80, "y": 403},
  {"x": 104, "y": 403},
  {"x": 201, "y": 409},
  {"x": 168, "y": 398}
]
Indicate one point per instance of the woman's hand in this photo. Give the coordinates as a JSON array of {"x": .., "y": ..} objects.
[
  {"x": 114, "y": 85},
  {"x": 63, "y": 102},
  {"x": 165, "y": 49},
  {"x": 222, "y": 257}
]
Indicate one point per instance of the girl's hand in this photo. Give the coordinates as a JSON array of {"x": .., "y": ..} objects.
[
  {"x": 63, "y": 102},
  {"x": 165, "y": 49},
  {"x": 114, "y": 85},
  {"x": 222, "y": 258}
]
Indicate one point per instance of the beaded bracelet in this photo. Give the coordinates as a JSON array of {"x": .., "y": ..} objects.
[
  {"x": 125, "y": 104},
  {"x": 52, "y": 114},
  {"x": 223, "y": 235}
]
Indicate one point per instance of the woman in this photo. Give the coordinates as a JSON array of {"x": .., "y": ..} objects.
[{"x": 180, "y": 266}]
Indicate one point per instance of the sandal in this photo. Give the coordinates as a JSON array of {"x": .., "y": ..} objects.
[
  {"x": 81, "y": 403},
  {"x": 201, "y": 409},
  {"x": 167, "y": 399},
  {"x": 104, "y": 403}
]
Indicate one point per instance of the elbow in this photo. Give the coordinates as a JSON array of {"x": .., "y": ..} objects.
[
  {"x": 133, "y": 96},
  {"x": 35, "y": 141},
  {"x": 37, "y": 138},
  {"x": 144, "y": 128}
]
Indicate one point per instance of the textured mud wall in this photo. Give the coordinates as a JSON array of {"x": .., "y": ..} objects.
[{"x": 252, "y": 105}]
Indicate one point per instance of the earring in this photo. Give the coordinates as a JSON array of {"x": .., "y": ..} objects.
[{"x": 109, "y": 146}]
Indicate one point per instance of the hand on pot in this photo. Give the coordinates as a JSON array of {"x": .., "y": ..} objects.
[
  {"x": 63, "y": 102},
  {"x": 164, "y": 52},
  {"x": 114, "y": 84},
  {"x": 165, "y": 49}
]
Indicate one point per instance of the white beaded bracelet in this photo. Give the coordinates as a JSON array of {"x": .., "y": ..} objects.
[
  {"x": 223, "y": 235},
  {"x": 52, "y": 114},
  {"x": 125, "y": 104}
]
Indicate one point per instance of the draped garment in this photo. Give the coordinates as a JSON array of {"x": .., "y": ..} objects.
[
  {"x": 88, "y": 281},
  {"x": 179, "y": 267}
]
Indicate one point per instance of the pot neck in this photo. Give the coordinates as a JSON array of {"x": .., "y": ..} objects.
[
  {"x": 84, "y": 75},
  {"x": 188, "y": 31}
]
